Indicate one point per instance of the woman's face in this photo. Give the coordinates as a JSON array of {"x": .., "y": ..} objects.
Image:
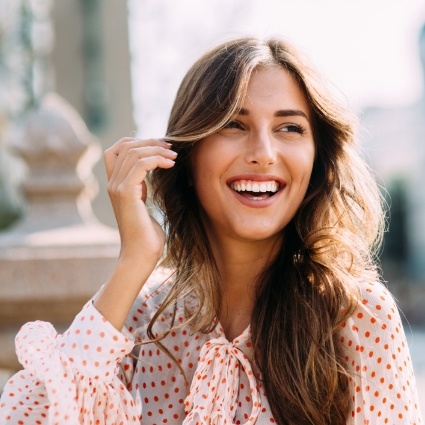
[{"x": 251, "y": 176}]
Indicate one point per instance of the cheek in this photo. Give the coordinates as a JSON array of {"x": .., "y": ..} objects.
[
  {"x": 303, "y": 166},
  {"x": 301, "y": 177},
  {"x": 202, "y": 182}
]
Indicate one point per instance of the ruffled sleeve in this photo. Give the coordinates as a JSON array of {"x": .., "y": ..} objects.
[
  {"x": 70, "y": 379},
  {"x": 383, "y": 384}
]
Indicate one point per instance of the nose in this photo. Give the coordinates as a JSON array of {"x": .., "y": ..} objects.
[{"x": 260, "y": 149}]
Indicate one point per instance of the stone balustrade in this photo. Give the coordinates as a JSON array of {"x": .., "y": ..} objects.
[{"x": 58, "y": 255}]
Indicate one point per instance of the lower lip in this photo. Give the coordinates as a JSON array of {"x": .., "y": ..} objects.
[{"x": 262, "y": 203}]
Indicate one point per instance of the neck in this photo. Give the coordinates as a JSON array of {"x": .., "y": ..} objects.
[{"x": 240, "y": 263}]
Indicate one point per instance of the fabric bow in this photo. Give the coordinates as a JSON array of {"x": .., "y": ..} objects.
[{"x": 213, "y": 393}]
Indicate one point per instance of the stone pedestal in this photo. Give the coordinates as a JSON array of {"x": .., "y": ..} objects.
[{"x": 58, "y": 255}]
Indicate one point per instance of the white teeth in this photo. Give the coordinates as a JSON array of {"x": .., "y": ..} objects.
[{"x": 252, "y": 186}]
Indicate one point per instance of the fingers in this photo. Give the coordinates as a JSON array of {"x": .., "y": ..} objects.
[
  {"x": 129, "y": 150},
  {"x": 139, "y": 161},
  {"x": 127, "y": 163},
  {"x": 129, "y": 160}
]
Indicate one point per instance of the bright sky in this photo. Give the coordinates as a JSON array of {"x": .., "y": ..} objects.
[{"x": 368, "y": 49}]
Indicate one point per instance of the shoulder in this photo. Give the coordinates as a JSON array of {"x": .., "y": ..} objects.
[
  {"x": 377, "y": 305},
  {"x": 150, "y": 298},
  {"x": 377, "y": 296},
  {"x": 375, "y": 322},
  {"x": 377, "y": 357}
]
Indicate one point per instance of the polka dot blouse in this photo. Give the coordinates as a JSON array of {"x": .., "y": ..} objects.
[{"x": 87, "y": 375}]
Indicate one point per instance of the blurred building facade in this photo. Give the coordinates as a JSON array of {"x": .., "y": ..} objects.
[{"x": 395, "y": 142}]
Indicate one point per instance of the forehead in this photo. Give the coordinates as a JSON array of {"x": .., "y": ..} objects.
[{"x": 274, "y": 86}]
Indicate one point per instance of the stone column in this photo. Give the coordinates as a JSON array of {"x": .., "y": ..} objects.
[{"x": 91, "y": 65}]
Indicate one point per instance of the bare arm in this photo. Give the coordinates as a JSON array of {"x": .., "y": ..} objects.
[{"x": 142, "y": 238}]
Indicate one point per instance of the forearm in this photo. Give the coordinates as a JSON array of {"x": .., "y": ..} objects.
[{"x": 119, "y": 293}]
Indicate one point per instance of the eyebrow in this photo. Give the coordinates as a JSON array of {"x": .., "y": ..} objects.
[{"x": 280, "y": 113}]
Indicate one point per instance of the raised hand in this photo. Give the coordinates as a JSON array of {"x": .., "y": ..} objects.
[
  {"x": 142, "y": 239},
  {"x": 127, "y": 163}
]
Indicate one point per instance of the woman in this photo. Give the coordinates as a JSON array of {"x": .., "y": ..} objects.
[{"x": 267, "y": 307}]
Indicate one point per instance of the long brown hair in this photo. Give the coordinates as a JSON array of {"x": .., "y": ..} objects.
[{"x": 311, "y": 286}]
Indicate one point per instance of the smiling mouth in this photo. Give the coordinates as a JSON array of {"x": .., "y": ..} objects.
[{"x": 255, "y": 190}]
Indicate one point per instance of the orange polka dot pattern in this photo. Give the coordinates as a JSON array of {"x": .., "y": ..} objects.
[
  {"x": 376, "y": 352},
  {"x": 69, "y": 379},
  {"x": 86, "y": 376}
]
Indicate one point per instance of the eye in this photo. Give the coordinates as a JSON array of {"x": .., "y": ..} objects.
[
  {"x": 234, "y": 124},
  {"x": 293, "y": 128}
]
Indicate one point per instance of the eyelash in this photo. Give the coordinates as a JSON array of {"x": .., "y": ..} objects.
[
  {"x": 231, "y": 124},
  {"x": 295, "y": 128}
]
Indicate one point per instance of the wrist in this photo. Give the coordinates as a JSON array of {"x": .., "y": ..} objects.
[{"x": 135, "y": 260}]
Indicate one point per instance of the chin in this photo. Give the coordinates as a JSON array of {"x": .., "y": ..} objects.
[{"x": 259, "y": 235}]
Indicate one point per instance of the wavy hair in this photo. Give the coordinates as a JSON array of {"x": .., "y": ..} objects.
[{"x": 311, "y": 286}]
